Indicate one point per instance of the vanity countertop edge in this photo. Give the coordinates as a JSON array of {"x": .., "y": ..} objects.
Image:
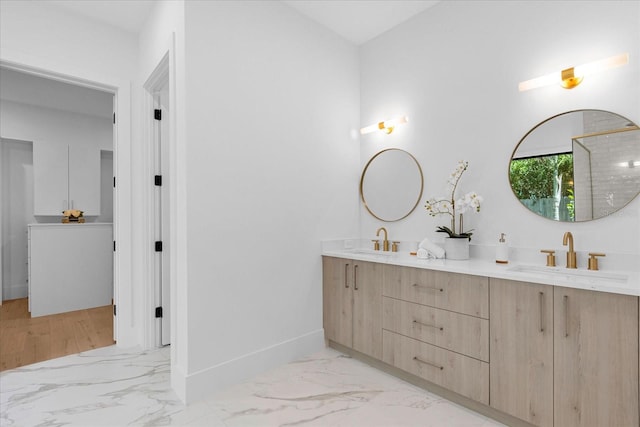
[{"x": 485, "y": 268}]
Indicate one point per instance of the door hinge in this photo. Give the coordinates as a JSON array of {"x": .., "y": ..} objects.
[
  {"x": 114, "y": 246},
  {"x": 157, "y": 114},
  {"x": 157, "y": 180},
  {"x": 158, "y": 312},
  {"x": 159, "y": 246},
  {"x": 114, "y": 309}
]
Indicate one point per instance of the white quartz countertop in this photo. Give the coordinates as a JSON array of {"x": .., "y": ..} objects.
[{"x": 619, "y": 282}]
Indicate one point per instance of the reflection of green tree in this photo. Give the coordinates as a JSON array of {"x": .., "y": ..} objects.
[
  {"x": 544, "y": 177},
  {"x": 537, "y": 177}
]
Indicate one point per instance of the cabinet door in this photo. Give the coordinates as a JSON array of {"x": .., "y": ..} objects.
[
  {"x": 337, "y": 300},
  {"x": 521, "y": 330},
  {"x": 84, "y": 179},
  {"x": 50, "y": 178},
  {"x": 367, "y": 308},
  {"x": 595, "y": 358}
]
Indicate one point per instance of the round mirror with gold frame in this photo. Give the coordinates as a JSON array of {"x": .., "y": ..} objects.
[
  {"x": 577, "y": 166},
  {"x": 391, "y": 185}
]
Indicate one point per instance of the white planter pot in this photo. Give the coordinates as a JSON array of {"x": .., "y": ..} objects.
[{"x": 456, "y": 248}]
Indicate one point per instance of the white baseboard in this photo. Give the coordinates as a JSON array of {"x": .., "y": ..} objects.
[
  {"x": 20, "y": 290},
  {"x": 215, "y": 378}
]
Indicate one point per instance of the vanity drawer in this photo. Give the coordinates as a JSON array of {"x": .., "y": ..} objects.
[
  {"x": 461, "y": 374},
  {"x": 462, "y": 293},
  {"x": 458, "y": 332}
]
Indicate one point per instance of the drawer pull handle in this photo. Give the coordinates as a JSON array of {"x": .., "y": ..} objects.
[
  {"x": 541, "y": 295},
  {"x": 427, "y": 325},
  {"x": 430, "y": 288},
  {"x": 346, "y": 275},
  {"x": 355, "y": 277},
  {"x": 424, "y": 362},
  {"x": 565, "y": 300}
]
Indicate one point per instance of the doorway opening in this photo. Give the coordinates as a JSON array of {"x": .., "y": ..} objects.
[{"x": 57, "y": 141}]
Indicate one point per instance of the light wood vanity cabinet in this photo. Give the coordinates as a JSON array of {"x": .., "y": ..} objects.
[
  {"x": 452, "y": 331},
  {"x": 548, "y": 355},
  {"x": 464, "y": 375},
  {"x": 436, "y": 327},
  {"x": 563, "y": 356},
  {"x": 595, "y": 358},
  {"x": 461, "y": 293},
  {"x": 337, "y": 311},
  {"x": 352, "y": 311},
  {"x": 522, "y": 350}
]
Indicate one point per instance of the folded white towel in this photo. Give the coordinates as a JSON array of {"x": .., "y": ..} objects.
[
  {"x": 422, "y": 253},
  {"x": 434, "y": 250}
]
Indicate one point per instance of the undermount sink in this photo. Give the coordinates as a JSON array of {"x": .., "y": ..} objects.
[
  {"x": 372, "y": 252},
  {"x": 569, "y": 274}
]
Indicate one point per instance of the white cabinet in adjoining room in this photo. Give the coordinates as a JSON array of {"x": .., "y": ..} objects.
[
  {"x": 66, "y": 177},
  {"x": 70, "y": 267}
]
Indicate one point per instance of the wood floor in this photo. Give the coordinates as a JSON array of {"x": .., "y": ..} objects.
[{"x": 25, "y": 340}]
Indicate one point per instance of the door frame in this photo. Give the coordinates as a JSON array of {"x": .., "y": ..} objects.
[
  {"x": 126, "y": 329},
  {"x": 159, "y": 78}
]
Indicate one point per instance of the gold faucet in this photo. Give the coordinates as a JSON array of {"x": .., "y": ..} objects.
[
  {"x": 571, "y": 255},
  {"x": 385, "y": 242}
]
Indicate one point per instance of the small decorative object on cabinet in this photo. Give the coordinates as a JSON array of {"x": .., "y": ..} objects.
[{"x": 72, "y": 215}]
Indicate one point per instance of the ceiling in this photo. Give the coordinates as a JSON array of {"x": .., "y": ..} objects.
[
  {"x": 30, "y": 89},
  {"x": 356, "y": 20}
]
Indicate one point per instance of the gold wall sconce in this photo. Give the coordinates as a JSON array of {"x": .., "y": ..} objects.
[
  {"x": 573, "y": 76},
  {"x": 386, "y": 126}
]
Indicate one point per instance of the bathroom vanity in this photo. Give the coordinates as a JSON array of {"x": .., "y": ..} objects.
[
  {"x": 546, "y": 348},
  {"x": 70, "y": 267}
]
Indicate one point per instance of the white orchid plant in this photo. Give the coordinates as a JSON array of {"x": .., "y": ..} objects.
[{"x": 455, "y": 207}]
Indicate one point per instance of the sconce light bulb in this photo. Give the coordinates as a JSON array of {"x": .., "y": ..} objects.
[
  {"x": 630, "y": 164},
  {"x": 572, "y": 77},
  {"x": 386, "y": 126}
]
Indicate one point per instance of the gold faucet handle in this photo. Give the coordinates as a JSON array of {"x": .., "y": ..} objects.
[
  {"x": 551, "y": 257},
  {"x": 394, "y": 246},
  {"x": 376, "y": 244},
  {"x": 593, "y": 261}
]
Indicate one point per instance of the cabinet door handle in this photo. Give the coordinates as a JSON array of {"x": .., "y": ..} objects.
[
  {"x": 415, "y": 322},
  {"x": 565, "y": 301},
  {"x": 355, "y": 277},
  {"x": 424, "y": 362},
  {"x": 429, "y": 288},
  {"x": 346, "y": 276},
  {"x": 541, "y": 299}
]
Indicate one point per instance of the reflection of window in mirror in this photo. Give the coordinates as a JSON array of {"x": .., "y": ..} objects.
[
  {"x": 551, "y": 198},
  {"x": 577, "y": 166}
]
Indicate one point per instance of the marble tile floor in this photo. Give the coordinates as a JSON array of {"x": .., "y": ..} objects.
[{"x": 114, "y": 387}]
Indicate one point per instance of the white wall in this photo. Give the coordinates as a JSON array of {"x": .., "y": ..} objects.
[
  {"x": 45, "y": 126},
  {"x": 16, "y": 211},
  {"x": 272, "y": 168},
  {"x": 163, "y": 37},
  {"x": 454, "y": 70}
]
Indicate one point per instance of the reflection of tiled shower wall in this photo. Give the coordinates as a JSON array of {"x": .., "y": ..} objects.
[
  {"x": 582, "y": 183},
  {"x": 611, "y": 189}
]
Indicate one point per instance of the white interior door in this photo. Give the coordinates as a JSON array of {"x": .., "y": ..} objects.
[{"x": 161, "y": 208}]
